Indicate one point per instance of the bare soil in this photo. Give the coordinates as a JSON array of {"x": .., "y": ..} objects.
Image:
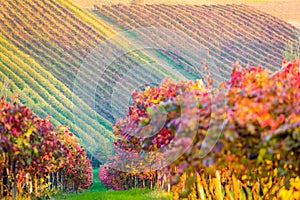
[{"x": 288, "y": 11}]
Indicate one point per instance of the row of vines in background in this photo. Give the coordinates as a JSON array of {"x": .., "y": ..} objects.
[
  {"x": 60, "y": 36},
  {"x": 36, "y": 158},
  {"x": 256, "y": 155},
  {"x": 230, "y": 32},
  {"x": 20, "y": 65}
]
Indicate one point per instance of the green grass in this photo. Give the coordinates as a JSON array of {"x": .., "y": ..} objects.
[{"x": 98, "y": 192}]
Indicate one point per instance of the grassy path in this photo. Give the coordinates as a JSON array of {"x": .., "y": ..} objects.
[{"x": 99, "y": 192}]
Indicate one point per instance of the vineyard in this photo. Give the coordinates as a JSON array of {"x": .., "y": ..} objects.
[
  {"x": 226, "y": 33},
  {"x": 38, "y": 61},
  {"x": 255, "y": 157},
  {"x": 37, "y": 157},
  {"x": 230, "y": 33},
  {"x": 43, "y": 45},
  {"x": 80, "y": 84}
]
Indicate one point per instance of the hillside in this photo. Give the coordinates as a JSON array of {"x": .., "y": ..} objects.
[
  {"x": 229, "y": 32},
  {"x": 287, "y": 10},
  {"x": 184, "y": 35},
  {"x": 43, "y": 48},
  {"x": 71, "y": 64}
]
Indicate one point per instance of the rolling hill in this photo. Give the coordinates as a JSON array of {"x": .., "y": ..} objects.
[
  {"x": 43, "y": 46},
  {"x": 37, "y": 62},
  {"x": 225, "y": 33},
  {"x": 229, "y": 32},
  {"x": 71, "y": 63},
  {"x": 287, "y": 10}
]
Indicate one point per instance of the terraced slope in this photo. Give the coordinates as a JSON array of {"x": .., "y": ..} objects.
[
  {"x": 58, "y": 35},
  {"x": 43, "y": 92},
  {"x": 44, "y": 48},
  {"x": 66, "y": 62},
  {"x": 229, "y": 32}
]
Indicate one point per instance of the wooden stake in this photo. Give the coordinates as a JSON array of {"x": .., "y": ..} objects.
[
  {"x": 218, "y": 186},
  {"x": 200, "y": 189},
  {"x": 236, "y": 189}
]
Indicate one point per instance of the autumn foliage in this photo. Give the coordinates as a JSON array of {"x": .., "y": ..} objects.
[
  {"x": 255, "y": 154},
  {"x": 37, "y": 158}
]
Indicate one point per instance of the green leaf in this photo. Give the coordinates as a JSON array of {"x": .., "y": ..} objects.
[
  {"x": 35, "y": 151},
  {"x": 19, "y": 141},
  {"x": 29, "y": 132},
  {"x": 244, "y": 160},
  {"x": 261, "y": 155},
  {"x": 28, "y": 151}
]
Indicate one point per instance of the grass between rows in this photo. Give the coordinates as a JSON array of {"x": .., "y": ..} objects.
[{"x": 98, "y": 192}]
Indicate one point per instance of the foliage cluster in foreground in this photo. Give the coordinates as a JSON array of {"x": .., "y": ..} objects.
[
  {"x": 255, "y": 154},
  {"x": 37, "y": 159}
]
